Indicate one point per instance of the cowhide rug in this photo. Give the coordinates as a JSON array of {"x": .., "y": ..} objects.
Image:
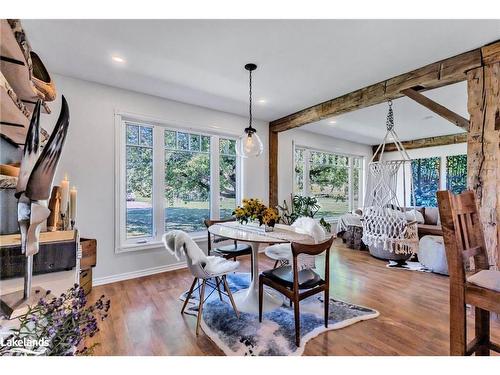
[
  {"x": 275, "y": 336},
  {"x": 408, "y": 265}
]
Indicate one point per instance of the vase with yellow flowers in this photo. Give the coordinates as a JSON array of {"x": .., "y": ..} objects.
[{"x": 254, "y": 210}]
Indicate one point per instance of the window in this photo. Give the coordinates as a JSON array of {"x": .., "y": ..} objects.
[
  {"x": 139, "y": 181},
  {"x": 426, "y": 177},
  {"x": 299, "y": 171},
  {"x": 187, "y": 180},
  {"x": 334, "y": 179},
  {"x": 456, "y": 173},
  {"x": 227, "y": 176},
  {"x": 171, "y": 179}
]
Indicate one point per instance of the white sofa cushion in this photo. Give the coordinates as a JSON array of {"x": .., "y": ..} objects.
[{"x": 488, "y": 279}]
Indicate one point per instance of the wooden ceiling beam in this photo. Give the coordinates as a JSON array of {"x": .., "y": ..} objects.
[
  {"x": 442, "y": 73},
  {"x": 427, "y": 142},
  {"x": 437, "y": 108}
]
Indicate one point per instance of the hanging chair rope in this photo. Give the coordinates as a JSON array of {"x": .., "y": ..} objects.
[{"x": 386, "y": 222}]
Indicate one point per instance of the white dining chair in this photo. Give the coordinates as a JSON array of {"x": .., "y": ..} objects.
[
  {"x": 203, "y": 268},
  {"x": 282, "y": 253}
]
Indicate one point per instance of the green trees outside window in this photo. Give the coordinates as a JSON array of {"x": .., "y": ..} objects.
[
  {"x": 187, "y": 179},
  {"x": 334, "y": 179},
  {"x": 139, "y": 181}
]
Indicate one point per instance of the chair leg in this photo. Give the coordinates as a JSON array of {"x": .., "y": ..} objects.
[
  {"x": 217, "y": 283},
  {"x": 230, "y": 295},
  {"x": 251, "y": 265},
  {"x": 297, "y": 321},
  {"x": 482, "y": 329},
  {"x": 261, "y": 295},
  {"x": 189, "y": 295},
  {"x": 326, "y": 302},
  {"x": 200, "y": 308},
  {"x": 458, "y": 328}
]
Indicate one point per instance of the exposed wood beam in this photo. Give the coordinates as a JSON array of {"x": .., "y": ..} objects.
[
  {"x": 483, "y": 151},
  {"x": 273, "y": 168},
  {"x": 437, "y": 108},
  {"x": 442, "y": 73},
  {"x": 426, "y": 142}
]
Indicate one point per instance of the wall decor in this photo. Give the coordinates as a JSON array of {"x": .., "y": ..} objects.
[{"x": 33, "y": 188}]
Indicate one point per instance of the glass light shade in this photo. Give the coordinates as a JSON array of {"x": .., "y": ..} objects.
[{"x": 250, "y": 145}]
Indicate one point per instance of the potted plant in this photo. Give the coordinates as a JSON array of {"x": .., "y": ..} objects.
[{"x": 301, "y": 206}]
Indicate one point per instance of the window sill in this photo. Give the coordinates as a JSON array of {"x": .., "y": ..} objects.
[{"x": 154, "y": 244}]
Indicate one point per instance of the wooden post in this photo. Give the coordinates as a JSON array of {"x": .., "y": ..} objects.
[
  {"x": 273, "y": 168},
  {"x": 483, "y": 149}
]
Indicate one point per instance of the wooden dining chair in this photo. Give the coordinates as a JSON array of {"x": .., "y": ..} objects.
[
  {"x": 464, "y": 239},
  {"x": 290, "y": 281},
  {"x": 231, "y": 251}
]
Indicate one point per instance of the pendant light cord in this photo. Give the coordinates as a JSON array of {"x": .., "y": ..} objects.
[{"x": 250, "y": 101}]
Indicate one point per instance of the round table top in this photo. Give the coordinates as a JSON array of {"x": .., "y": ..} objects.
[{"x": 253, "y": 233}]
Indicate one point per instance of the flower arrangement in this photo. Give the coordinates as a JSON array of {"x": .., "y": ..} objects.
[
  {"x": 270, "y": 216},
  {"x": 57, "y": 327},
  {"x": 254, "y": 209}
]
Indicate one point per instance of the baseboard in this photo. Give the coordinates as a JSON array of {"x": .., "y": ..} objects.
[{"x": 135, "y": 274}]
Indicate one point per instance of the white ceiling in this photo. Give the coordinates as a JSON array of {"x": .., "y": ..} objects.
[
  {"x": 301, "y": 62},
  {"x": 412, "y": 121}
]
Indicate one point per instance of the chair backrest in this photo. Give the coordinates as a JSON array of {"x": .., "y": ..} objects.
[
  {"x": 462, "y": 232},
  {"x": 196, "y": 268},
  {"x": 316, "y": 249},
  {"x": 209, "y": 223}
]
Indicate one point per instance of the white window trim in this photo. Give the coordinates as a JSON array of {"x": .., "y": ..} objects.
[
  {"x": 123, "y": 245},
  {"x": 306, "y": 186}
]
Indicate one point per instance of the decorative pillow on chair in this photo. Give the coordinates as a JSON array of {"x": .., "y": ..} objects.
[{"x": 489, "y": 279}]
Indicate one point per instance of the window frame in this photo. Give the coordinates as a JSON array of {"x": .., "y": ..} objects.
[
  {"x": 307, "y": 150},
  {"x": 122, "y": 244}
]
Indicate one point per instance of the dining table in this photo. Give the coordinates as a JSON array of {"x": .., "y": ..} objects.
[{"x": 247, "y": 300}]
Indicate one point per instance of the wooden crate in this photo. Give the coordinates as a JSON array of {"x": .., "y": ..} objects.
[
  {"x": 57, "y": 253},
  {"x": 86, "y": 280},
  {"x": 88, "y": 260},
  {"x": 89, "y": 253}
]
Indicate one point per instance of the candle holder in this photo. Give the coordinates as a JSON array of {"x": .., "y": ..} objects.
[{"x": 63, "y": 221}]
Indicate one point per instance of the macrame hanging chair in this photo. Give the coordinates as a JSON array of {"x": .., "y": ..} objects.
[{"x": 387, "y": 223}]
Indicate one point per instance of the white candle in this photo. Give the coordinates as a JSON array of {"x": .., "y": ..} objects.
[
  {"x": 72, "y": 203},
  {"x": 64, "y": 195}
]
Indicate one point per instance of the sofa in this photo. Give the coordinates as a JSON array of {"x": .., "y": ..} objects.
[
  {"x": 432, "y": 222},
  {"x": 349, "y": 228},
  {"x": 429, "y": 222}
]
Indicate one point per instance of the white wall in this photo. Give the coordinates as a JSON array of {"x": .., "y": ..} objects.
[
  {"x": 89, "y": 159},
  {"x": 419, "y": 153},
  {"x": 286, "y": 141}
]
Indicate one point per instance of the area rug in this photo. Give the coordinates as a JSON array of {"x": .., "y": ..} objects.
[
  {"x": 408, "y": 265},
  {"x": 275, "y": 336}
]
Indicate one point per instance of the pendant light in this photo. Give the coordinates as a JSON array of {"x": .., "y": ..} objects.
[{"x": 249, "y": 144}]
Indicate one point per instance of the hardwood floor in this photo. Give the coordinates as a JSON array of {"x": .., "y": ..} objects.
[{"x": 145, "y": 314}]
